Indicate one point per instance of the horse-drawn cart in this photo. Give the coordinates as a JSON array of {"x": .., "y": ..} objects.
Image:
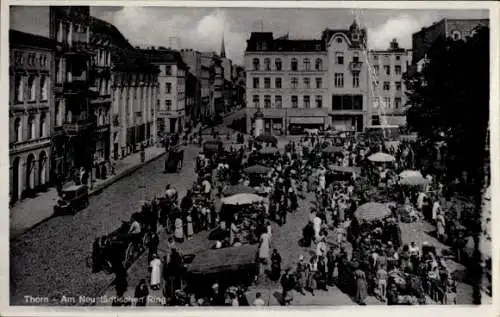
[{"x": 174, "y": 160}]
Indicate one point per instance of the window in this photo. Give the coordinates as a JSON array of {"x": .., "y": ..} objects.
[
  {"x": 277, "y": 83},
  {"x": 398, "y": 57},
  {"x": 43, "y": 61},
  {"x": 307, "y": 83},
  {"x": 31, "y": 127},
  {"x": 355, "y": 80},
  {"x": 293, "y": 64},
  {"x": 267, "y": 64},
  {"x": 376, "y": 68},
  {"x": 168, "y": 70},
  {"x": 339, "y": 58},
  {"x": 398, "y": 85},
  {"x": 58, "y": 115},
  {"x": 339, "y": 80},
  {"x": 456, "y": 35},
  {"x": 168, "y": 105},
  {"x": 278, "y": 101},
  {"x": 319, "y": 82},
  {"x": 256, "y": 82},
  {"x": 375, "y": 120},
  {"x": 387, "y": 86},
  {"x": 17, "y": 130},
  {"x": 294, "y": 82},
  {"x": 19, "y": 58},
  {"x": 387, "y": 69},
  {"x": 387, "y": 102},
  {"x": 267, "y": 82},
  {"x": 256, "y": 64},
  {"x": 295, "y": 102},
  {"x": 277, "y": 63},
  {"x": 375, "y": 57},
  {"x": 307, "y": 64},
  {"x": 168, "y": 88},
  {"x": 397, "y": 102},
  {"x": 319, "y": 101},
  {"x": 307, "y": 101},
  {"x": 31, "y": 88},
  {"x": 355, "y": 57},
  {"x": 256, "y": 101},
  {"x": 339, "y": 40},
  {"x": 44, "y": 94},
  {"x": 347, "y": 102},
  {"x": 397, "y": 69},
  {"x": 19, "y": 88},
  {"x": 267, "y": 101},
  {"x": 319, "y": 64}
]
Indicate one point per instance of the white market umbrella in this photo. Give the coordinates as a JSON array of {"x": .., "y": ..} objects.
[
  {"x": 242, "y": 199},
  {"x": 410, "y": 173},
  {"x": 381, "y": 157}
]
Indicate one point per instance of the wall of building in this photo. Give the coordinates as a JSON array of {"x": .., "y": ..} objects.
[{"x": 30, "y": 102}]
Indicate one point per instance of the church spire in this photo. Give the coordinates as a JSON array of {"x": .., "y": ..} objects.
[{"x": 222, "y": 47}]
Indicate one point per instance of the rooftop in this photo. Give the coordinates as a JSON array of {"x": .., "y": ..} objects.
[{"x": 28, "y": 40}]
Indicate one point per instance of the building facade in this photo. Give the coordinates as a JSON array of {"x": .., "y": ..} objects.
[
  {"x": 192, "y": 59},
  {"x": 101, "y": 39},
  {"x": 206, "y": 93},
  {"x": 73, "y": 117},
  {"x": 171, "y": 96},
  {"x": 31, "y": 100},
  {"x": 456, "y": 29},
  {"x": 288, "y": 79},
  {"x": 134, "y": 88},
  {"x": 387, "y": 92}
]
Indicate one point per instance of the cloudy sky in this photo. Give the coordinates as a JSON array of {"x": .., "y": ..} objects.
[{"x": 202, "y": 28}]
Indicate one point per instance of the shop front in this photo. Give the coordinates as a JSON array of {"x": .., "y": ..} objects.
[
  {"x": 348, "y": 122},
  {"x": 307, "y": 122}
]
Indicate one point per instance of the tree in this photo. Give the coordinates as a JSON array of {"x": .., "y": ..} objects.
[{"x": 449, "y": 101}]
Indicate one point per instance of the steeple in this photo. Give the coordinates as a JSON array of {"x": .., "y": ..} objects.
[{"x": 222, "y": 47}]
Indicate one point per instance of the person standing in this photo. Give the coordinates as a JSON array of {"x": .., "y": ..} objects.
[
  {"x": 382, "y": 283},
  {"x": 264, "y": 250},
  {"x": 301, "y": 273},
  {"x": 179, "y": 230},
  {"x": 361, "y": 287},
  {"x": 141, "y": 293},
  {"x": 330, "y": 266},
  {"x": 287, "y": 286},
  {"x": 153, "y": 246},
  {"x": 156, "y": 271},
  {"x": 275, "y": 265},
  {"x": 311, "y": 274},
  {"x": 189, "y": 228}
]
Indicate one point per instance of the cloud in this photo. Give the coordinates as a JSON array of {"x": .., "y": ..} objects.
[
  {"x": 400, "y": 28},
  {"x": 201, "y": 29}
]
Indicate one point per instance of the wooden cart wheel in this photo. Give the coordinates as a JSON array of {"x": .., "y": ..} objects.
[{"x": 129, "y": 254}]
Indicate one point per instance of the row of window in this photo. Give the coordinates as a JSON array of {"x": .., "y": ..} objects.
[
  {"x": 294, "y": 83},
  {"x": 102, "y": 58},
  {"x": 33, "y": 59},
  {"x": 31, "y": 131},
  {"x": 386, "y": 57},
  {"x": 387, "y": 69},
  {"x": 294, "y": 64},
  {"x": 69, "y": 32},
  {"x": 386, "y": 85},
  {"x": 278, "y": 101},
  {"x": 26, "y": 88},
  {"x": 389, "y": 103}
]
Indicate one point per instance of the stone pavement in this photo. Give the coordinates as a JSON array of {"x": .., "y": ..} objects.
[{"x": 32, "y": 211}]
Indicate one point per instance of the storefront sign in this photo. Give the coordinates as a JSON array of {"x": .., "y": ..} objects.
[{"x": 307, "y": 120}]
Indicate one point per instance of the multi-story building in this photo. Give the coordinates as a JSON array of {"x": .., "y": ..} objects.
[
  {"x": 239, "y": 85},
  {"x": 73, "y": 118},
  {"x": 217, "y": 81},
  {"x": 31, "y": 77},
  {"x": 347, "y": 77},
  {"x": 192, "y": 92},
  {"x": 387, "y": 92},
  {"x": 192, "y": 59},
  {"x": 172, "y": 89},
  {"x": 134, "y": 88},
  {"x": 206, "y": 93},
  {"x": 227, "y": 66},
  {"x": 101, "y": 38},
  {"x": 456, "y": 29},
  {"x": 288, "y": 79}
]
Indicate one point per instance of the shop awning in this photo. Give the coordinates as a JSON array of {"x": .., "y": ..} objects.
[{"x": 307, "y": 120}]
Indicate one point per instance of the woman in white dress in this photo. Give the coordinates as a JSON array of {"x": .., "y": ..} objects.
[
  {"x": 179, "y": 230},
  {"x": 155, "y": 272}
]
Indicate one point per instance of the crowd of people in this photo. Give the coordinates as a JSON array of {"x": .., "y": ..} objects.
[{"x": 361, "y": 257}]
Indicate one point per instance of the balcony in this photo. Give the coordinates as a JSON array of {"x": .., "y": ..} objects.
[
  {"x": 355, "y": 66},
  {"x": 77, "y": 127}
]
